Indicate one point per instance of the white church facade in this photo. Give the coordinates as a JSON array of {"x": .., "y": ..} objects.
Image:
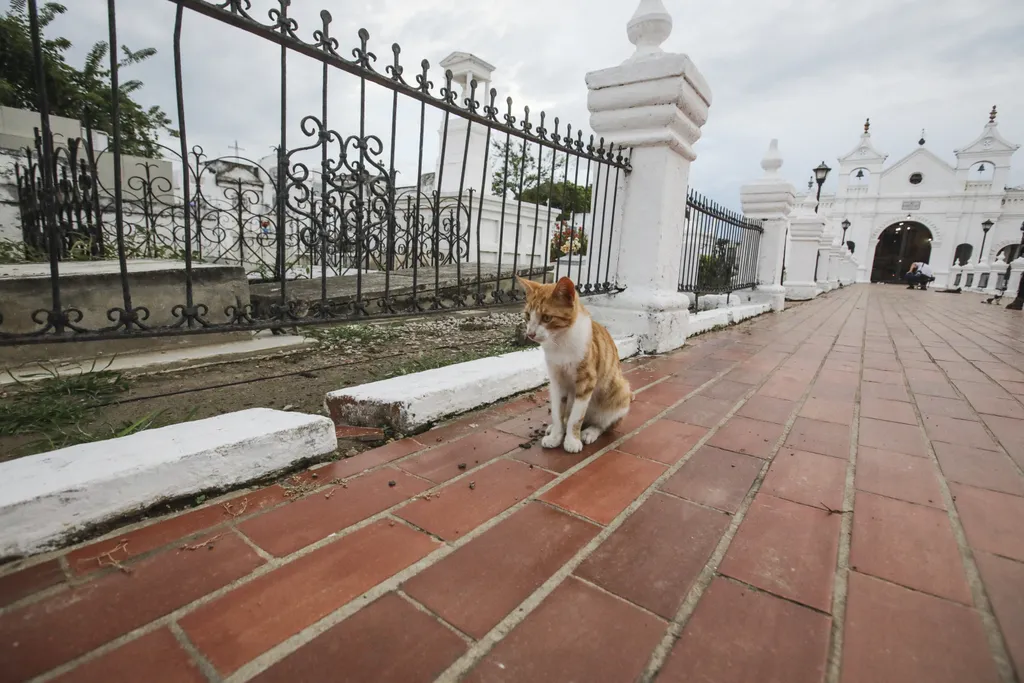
[{"x": 921, "y": 208}]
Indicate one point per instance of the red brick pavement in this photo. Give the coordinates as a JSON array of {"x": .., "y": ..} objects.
[{"x": 834, "y": 493}]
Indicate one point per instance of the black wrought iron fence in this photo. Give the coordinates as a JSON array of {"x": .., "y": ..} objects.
[
  {"x": 720, "y": 249},
  {"x": 320, "y": 230}
]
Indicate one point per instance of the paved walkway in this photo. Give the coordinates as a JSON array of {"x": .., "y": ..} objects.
[{"x": 834, "y": 494}]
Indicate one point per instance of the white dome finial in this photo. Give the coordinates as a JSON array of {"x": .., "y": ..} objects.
[
  {"x": 810, "y": 202},
  {"x": 650, "y": 26},
  {"x": 772, "y": 160}
]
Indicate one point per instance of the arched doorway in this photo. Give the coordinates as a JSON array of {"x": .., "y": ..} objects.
[
  {"x": 898, "y": 246},
  {"x": 963, "y": 253},
  {"x": 1009, "y": 253}
]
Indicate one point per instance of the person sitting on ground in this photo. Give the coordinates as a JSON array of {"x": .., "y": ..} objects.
[{"x": 920, "y": 273}]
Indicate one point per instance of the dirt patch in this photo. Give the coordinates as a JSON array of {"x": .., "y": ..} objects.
[{"x": 343, "y": 356}]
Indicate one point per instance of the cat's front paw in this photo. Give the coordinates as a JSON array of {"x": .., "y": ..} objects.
[
  {"x": 572, "y": 444},
  {"x": 552, "y": 440},
  {"x": 590, "y": 435}
]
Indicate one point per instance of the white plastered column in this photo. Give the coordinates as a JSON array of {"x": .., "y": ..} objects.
[
  {"x": 655, "y": 103},
  {"x": 835, "y": 264},
  {"x": 1016, "y": 272},
  {"x": 771, "y": 199},
  {"x": 805, "y": 230},
  {"x": 823, "y": 259}
]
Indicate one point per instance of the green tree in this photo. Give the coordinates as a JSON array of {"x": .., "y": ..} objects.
[
  {"x": 540, "y": 185},
  {"x": 505, "y": 176},
  {"x": 717, "y": 268},
  {"x": 84, "y": 94},
  {"x": 567, "y": 197}
]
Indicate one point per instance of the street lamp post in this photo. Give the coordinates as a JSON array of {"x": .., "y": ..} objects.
[
  {"x": 846, "y": 226},
  {"x": 820, "y": 173},
  {"x": 985, "y": 227},
  {"x": 1018, "y": 303}
]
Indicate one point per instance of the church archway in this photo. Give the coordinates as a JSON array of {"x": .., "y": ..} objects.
[
  {"x": 1009, "y": 252},
  {"x": 898, "y": 246},
  {"x": 963, "y": 252}
]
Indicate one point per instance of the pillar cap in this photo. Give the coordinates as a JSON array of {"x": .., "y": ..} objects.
[
  {"x": 654, "y": 98},
  {"x": 462, "y": 64},
  {"x": 771, "y": 196},
  {"x": 648, "y": 28}
]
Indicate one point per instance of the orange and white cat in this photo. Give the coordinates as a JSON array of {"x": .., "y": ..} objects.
[{"x": 588, "y": 392}]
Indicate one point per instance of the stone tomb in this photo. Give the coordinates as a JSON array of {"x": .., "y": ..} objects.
[{"x": 94, "y": 287}]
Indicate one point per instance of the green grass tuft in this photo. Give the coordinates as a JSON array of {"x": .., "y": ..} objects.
[
  {"x": 346, "y": 335},
  {"x": 52, "y": 406}
]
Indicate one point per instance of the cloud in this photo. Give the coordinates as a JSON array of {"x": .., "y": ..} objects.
[{"x": 806, "y": 74}]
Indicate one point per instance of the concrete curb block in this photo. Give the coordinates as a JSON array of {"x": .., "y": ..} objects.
[
  {"x": 46, "y": 498},
  {"x": 411, "y": 402}
]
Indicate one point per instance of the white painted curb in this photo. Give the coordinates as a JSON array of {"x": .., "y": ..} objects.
[
  {"x": 47, "y": 497},
  {"x": 410, "y": 402}
]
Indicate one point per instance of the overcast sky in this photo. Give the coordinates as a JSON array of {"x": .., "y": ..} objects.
[{"x": 808, "y": 73}]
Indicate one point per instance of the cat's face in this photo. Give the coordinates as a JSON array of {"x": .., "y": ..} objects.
[{"x": 550, "y": 309}]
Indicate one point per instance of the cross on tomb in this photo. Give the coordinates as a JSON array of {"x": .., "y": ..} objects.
[{"x": 236, "y": 148}]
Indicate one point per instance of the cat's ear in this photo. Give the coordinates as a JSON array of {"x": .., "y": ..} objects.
[
  {"x": 527, "y": 285},
  {"x": 565, "y": 290}
]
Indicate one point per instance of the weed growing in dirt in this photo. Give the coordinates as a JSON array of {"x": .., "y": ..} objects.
[
  {"x": 60, "y": 411},
  {"x": 53, "y": 405},
  {"x": 449, "y": 328},
  {"x": 347, "y": 335},
  {"x": 444, "y": 357}
]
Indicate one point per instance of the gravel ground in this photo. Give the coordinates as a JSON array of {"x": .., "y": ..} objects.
[{"x": 294, "y": 380}]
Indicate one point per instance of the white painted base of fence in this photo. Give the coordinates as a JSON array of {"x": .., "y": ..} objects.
[
  {"x": 658, "y": 319},
  {"x": 711, "y": 302},
  {"x": 410, "y": 402},
  {"x": 801, "y": 291},
  {"x": 773, "y": 295},
  {"x": 709, "y": 320},
  {"x": 47, "y": 498},
  {"x": 574, "y": 268}
]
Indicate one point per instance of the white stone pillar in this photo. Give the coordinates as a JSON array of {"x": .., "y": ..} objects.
[
  {"x": 655, "y": 103},
  {"x": 835, "y": 264},
  {"x": 969, "y": 275},
  {"x": 1016, "y": 272},
  {"x": 805, "y": 230},
  {"x": 995, "y": 271},
  {"x": 771, "y": 199},
  {"x": 848, "y": 269},
  {"x": 982, "y": 266},
  {"x": 955, "y": 270},
  {"x": 465, "y": 68},
  {"x": 824, "y": 253}
]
